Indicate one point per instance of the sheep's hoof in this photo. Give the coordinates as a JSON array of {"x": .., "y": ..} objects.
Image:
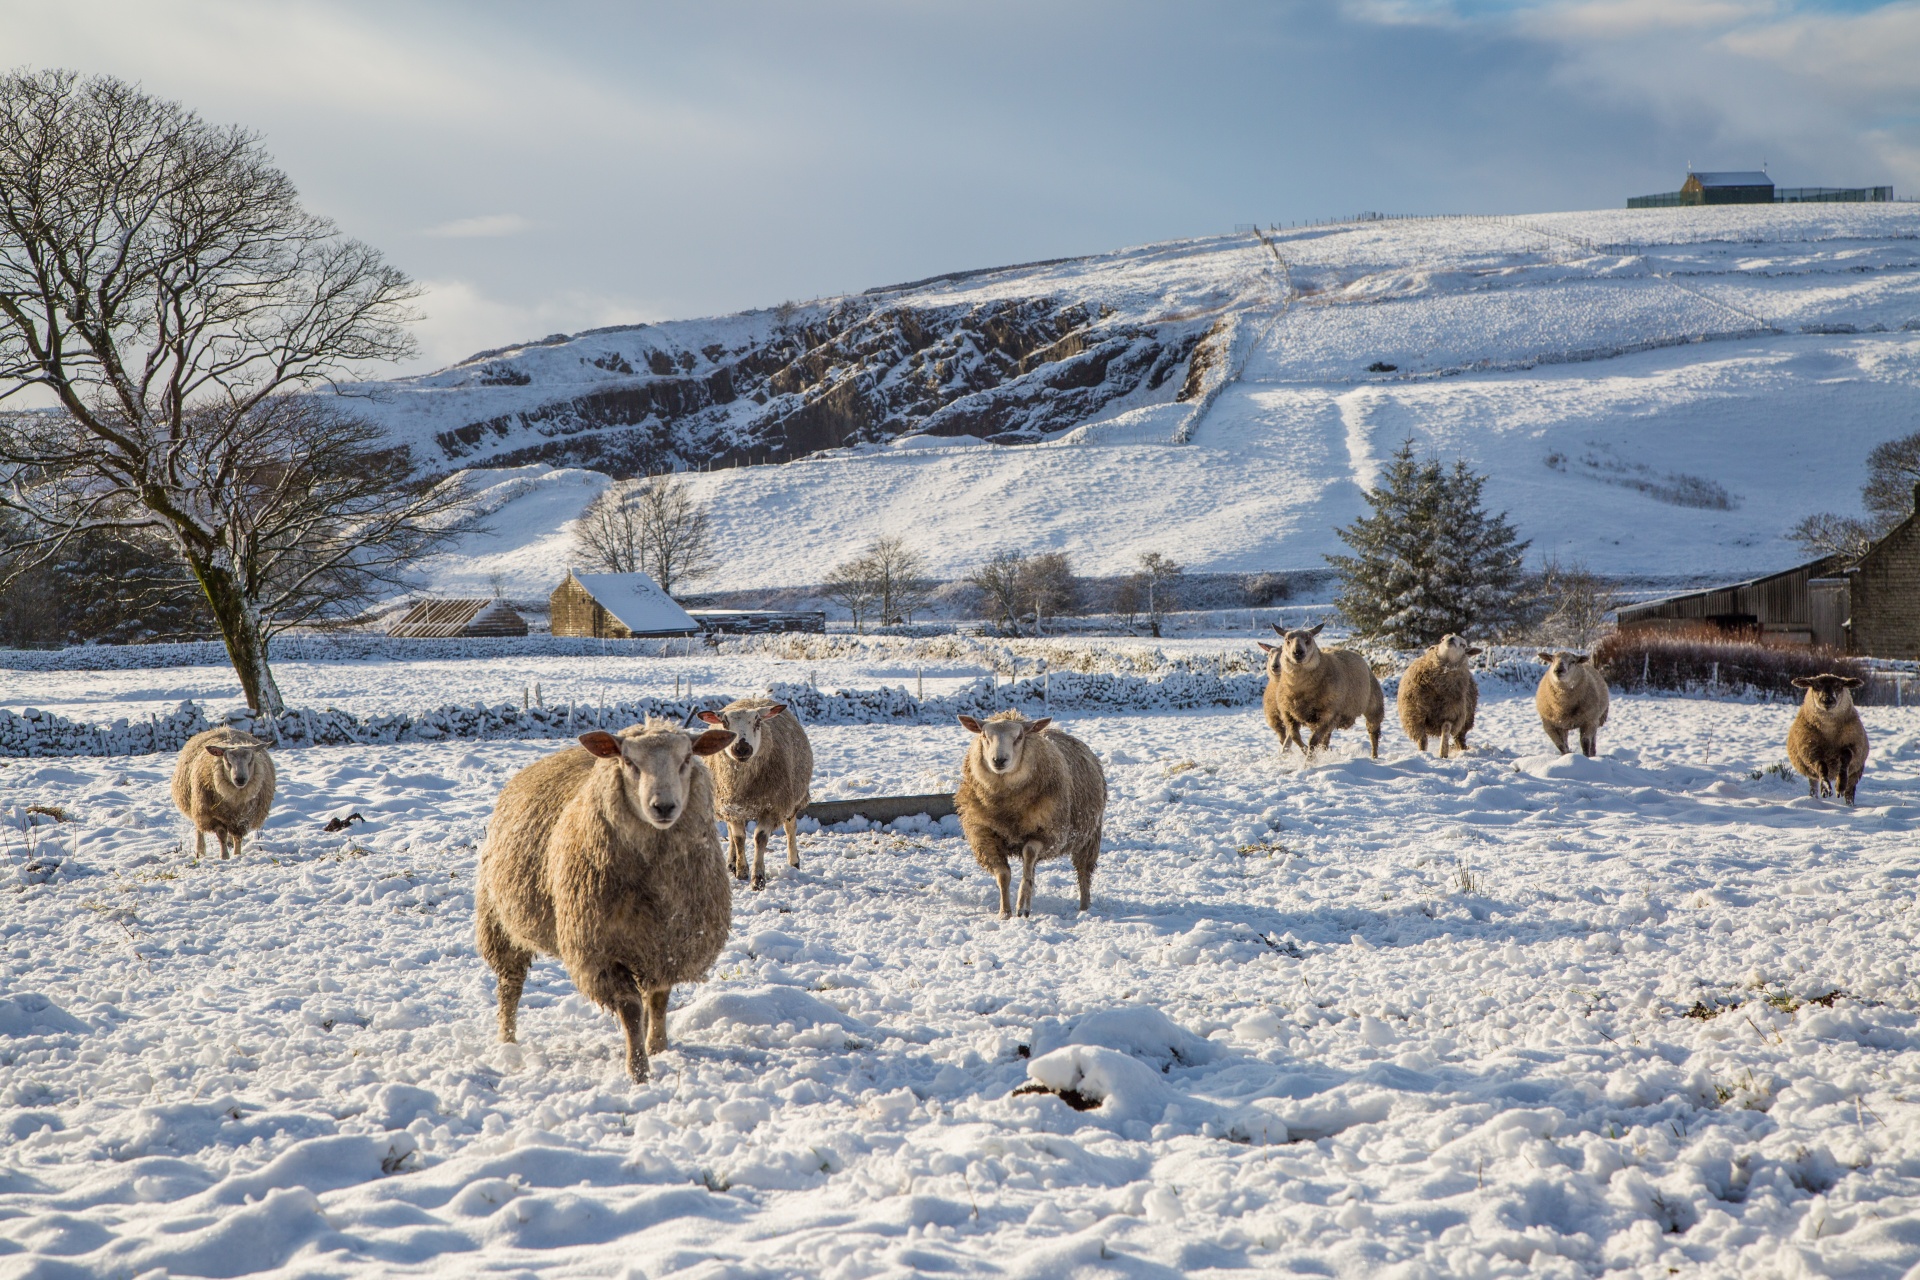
[
  {"x": 638, "y": 1071},
  {"x": 759, "y": 883}
]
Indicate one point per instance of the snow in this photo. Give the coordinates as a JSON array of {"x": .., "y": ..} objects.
[
  {"x": 1505, "y": 1014},
  {"x": 1586, "y": 361},
  {"x": 637, "y": 603}
]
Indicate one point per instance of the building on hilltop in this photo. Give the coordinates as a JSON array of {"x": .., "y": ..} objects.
[
  {"x": 1754, "y": 186},
  {"x": 617, "y": 606},
  {"x": 447, "y": 619}
]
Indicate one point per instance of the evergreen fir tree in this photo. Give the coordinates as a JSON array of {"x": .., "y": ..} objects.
[{"x": 1429, "y": 559}]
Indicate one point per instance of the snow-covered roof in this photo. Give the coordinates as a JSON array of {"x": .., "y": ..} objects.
[
  {"x": 638, "y": 604},
  {"x": 1734, "y": 178}
]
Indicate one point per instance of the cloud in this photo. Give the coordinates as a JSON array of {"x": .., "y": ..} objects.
[
  {"x": 486, "y": 226},
  {"x": 458, "y": 318}
]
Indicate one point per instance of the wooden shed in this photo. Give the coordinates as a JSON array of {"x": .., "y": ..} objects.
[
  {"x": 1780, "y": 606},
  {"x": 617, "y": 606},
  {"x": 445, "y": 619}
]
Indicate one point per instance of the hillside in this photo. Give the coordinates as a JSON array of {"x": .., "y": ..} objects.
[{"x": 1660, "y": 392}]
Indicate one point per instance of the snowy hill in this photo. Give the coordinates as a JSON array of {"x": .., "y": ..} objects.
[{"x": 1659, "y": 392}]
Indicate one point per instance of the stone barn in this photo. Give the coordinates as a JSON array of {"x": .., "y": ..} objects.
[
  {"x": 617, "y": 606},
  {"x": 1879, "y": 597}
]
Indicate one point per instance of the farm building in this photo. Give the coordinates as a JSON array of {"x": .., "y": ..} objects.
[
  {"x": 617, "y": 606},
  {"x": 1878, "y": 599},
  {"x": 747, "y": 622},
  {"x": 1754, "y": 187},
  {"x": 445, "y": 619},
  {"x": 1780, "y": 606}
]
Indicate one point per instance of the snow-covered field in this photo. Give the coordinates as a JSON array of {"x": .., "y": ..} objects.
[
  {"x": 1606, "y": 369},
  {"x": 1510, "y": 1014}
]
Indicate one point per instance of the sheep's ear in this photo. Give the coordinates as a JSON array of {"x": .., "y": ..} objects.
[
  {"x": 601, "y": 743},
  {"x": 1040, "y": 725},
  {"x": 970, "y": 724},
  {"x": 711, "y": 717},
  {"x": 712, "y": 741},
  {"x": 771, "y": 712},
  {"x": 1267, "y": 648},
  {"x": 1545, "y": 657},
  {"x": 1852, "y": 682},
  {"x": 1801, "y": 682},
  {"x": 1314, "y": 630},
  {"x": 1278, "y": 630},
  {"x": 212, "y": 750},
  {"x": 1474, "y": 653}
]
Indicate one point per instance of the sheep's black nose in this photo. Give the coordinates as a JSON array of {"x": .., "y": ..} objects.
[
  {"x": 999, "y": 762},
  {"x": 741, "y": 751},
  {"x": 664, "y": 811}
]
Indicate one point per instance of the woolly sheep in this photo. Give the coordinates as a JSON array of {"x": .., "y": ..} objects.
[
  {"x": 762, "y": 777},
  {"x": 223, "y": 781},
  {"x": 605, "y": 855},
  {"x": 1572, "y": 695},
  {"x": 1827, "y": 742},
  {"x": 1031, "y": 792},
  {"x": 1322, "y": 689},
  {"x": 1438, "y": 696}
]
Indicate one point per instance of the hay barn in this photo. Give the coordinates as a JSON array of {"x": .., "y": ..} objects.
[
  {"x": 1780, "y": 606},
  {"x": 617, "y": 606},
  {"x": 444, "y": 619}
]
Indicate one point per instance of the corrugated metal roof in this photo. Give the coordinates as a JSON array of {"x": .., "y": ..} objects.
[
  {"x": 638, "y": 603},
  {"x": 440, "y": 619},
  {"x": 1734, "y": 178}
]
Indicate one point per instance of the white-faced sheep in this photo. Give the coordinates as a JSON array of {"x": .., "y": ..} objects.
[
  {"x": 1572, "y": 695},
  {"x": 1030, "y": 792},
  {"x": 605, "y": 855},
  {"x": 1438, "y": 696},
  {"x": 1320, "y": 689},
  {"x": 1827, "y": 742},
  {"x": 762, "y": 777},
  {"x": 223, "y": 781}
]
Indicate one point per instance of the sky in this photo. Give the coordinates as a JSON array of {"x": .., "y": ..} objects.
[{"x": 551, "y": 167}]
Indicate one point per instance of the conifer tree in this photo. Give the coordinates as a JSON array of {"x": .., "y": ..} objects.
[{"x": 1428, "y": 558}]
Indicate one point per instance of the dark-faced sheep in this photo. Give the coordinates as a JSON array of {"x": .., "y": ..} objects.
[
  {"x": 1572, "y": 695},
  {"x": 762, "y": 777},
  {"x": 1320, "y": 689},
  {"x": 1827, "y": 742},
  {"x": 223, "y": 781},
  {"x": 1438, "y": 696},
  {"x": 605, "y": 855},
  {"x": 1030, "y": 792}
]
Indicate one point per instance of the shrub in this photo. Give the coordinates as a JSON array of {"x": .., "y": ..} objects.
[{"x": 1698, "y": 657}]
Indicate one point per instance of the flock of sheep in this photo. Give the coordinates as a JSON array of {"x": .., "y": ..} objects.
[{"x": 607, "y": 856}]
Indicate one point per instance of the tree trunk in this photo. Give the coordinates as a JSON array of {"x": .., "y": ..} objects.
[{"x": 246, "y": 640}]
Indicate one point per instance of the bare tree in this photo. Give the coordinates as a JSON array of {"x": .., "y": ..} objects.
[
  {"x": 1828, "y": 534},
  {"x": 900, "y": 577},
  {"x": 1001, "y": 584},
  {"x": 161, "y": 283},
  {"x": 650, "y": 526},
  {"x": 1048, "y": 588},
  {"x": 1161, "y": 574},
  {"x": 1129, "y": 596},
  {"x": 1893, "y": 469},
  {"x": 1576, "y": 601},
  {"x": 854, "y": 585}
]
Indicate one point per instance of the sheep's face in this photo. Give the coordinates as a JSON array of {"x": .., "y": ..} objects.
[
  {"x": 1454, "y": 651},
  {"x": 1298, "y": 650},
  {"x": 747, "y": 726},
  {"x": 1002, "y": 743},
  {"x": 238, "y": 763},
  {"x": 1564, "y": 667},
  {"x": 1828, "y": 693},
  {"x": 656, "y": 769}
]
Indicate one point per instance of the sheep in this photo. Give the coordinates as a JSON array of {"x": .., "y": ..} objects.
[
  {"x": 605, "y": 855},
  {"x": 1030, "y": 792},
  {"x": 762, "y": 778},
  {"x": 1572, "y": 695},
  {"x": 223, "y": 782},
  {"x": 1323, "y": 689},
  {"x": 1827, "y": 742},
  {"x": 1438, "y": 696}
]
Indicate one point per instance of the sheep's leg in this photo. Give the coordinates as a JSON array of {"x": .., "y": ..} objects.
[
  {"x": 657, "y": 1020},
  {"x": 509, "y": 964},
  {"x": 1813, "y": 786},
  {"x": 759, "y": 855},
  {"x": 793, "y": 840},
  {"x": 1459, "y": 742},
  {"x": 1003, "y": 877},
  {"x": 633, "y": 1021},
  {"x": 1029, "y": 856},
  {"x": 1557, "y": 735},
  {"x": 1083, "y": 864},
  {"x": 199, "y": 844},
  {"x": 1373, "y": 737},
  {"x": 238, "y": 836},
  {"x": 1446, "y": 738},
  {"x": 1321, "y": 737},
  {"x": 1844, "y": 780},
  {"x": 1590, "y": 742},
  {"x": 737, "y": 849}
]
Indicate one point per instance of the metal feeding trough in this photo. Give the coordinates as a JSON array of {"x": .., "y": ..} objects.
[{"x": 880, "y": 808}]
